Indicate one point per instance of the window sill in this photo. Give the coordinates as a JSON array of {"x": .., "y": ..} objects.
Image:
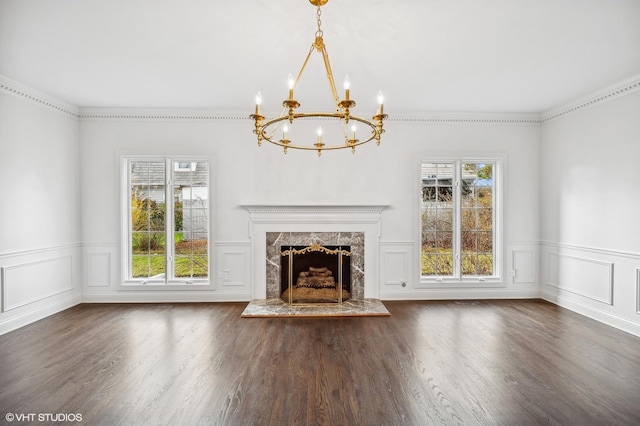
[
  {"x": 464, "y": 283},
  {"x": 161, "y": 286}
]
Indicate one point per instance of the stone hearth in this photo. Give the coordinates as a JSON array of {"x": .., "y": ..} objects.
[{"x": 351, "y": 308}]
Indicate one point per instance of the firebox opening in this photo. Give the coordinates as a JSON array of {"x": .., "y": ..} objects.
[{"x": 312, "y": 274}]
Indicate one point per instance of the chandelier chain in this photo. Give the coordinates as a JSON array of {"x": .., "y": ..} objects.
[{"x": 319, "y": 33}]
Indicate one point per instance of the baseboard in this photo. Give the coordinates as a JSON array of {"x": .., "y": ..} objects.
[
  {"x": 462, "y": 293},
  {"x": 163, "y": 297},
  {"x": 29, "y": 317},
  {"x": 607, "y": 318}
]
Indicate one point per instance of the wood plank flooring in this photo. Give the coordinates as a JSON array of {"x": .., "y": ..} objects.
[{"x": 522, "y": 362}]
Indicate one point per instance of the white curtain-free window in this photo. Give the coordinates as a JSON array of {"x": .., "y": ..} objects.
[
  {"x": 165, "y": 221},
  {"x": 460, "y": 220}
]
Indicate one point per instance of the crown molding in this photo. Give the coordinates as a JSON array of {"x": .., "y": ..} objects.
[
  {"x": 612, "y": 92},
  {"x": 91, "y": 113},
  {"x": 509, "y": 118},
  {"x": 23, "y": 91},
  {"x": 211, "y": 115}
]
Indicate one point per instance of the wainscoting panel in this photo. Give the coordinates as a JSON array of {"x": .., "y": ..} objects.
[
  {"x": 638, "y": 291},
  {"x": 232, "y": 267},
  {"x": 30, "y": 282},
  {"x": 98, "y": 269},
  {"x": 524, "y": 266},
  {"x": 601, "y": 284},
  {"x": 234, "y": 273},
  {"x": 583, "y": 276},
  {"x": 396, "y": 267},
  {"x": 37, "y": 283}
]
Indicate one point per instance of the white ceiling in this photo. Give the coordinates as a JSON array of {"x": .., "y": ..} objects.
[{"x": 426, "y": 55}]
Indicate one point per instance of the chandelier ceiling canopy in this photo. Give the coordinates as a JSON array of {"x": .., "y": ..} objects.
[{"x": 267, "y": 129}]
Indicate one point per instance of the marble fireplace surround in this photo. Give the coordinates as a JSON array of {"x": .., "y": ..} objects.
[
  {"x": 355, "y": 241},
  {"x": 355, "y": 225}
]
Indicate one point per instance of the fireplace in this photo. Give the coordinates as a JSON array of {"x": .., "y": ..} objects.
[
  {"x": 315, "y": 274},
  {"x": 315, "y": 246},
  {"x": 274, "y": 227}
]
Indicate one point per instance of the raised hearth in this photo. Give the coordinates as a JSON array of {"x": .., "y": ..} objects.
[{"x": 351, "y": 308}]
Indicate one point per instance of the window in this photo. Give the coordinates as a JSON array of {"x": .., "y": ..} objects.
[
  {"x": 166, "y": 221},
  {"x": 459, "y": 221}
]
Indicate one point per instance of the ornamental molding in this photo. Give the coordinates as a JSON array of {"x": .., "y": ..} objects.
[
  {"x": 612, "y": 92},
  {"x": 138, "y": 114},
  {"x": 467, "y": 118},
  {"x": 143, "y": 114},
  {"x": 30, "y": 94}
]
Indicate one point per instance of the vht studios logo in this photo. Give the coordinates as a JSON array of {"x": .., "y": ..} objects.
[{"x": 43, "y": 417}]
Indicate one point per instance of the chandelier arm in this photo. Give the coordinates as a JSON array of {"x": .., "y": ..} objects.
[
  {"x": 263, "y": 128},
  {"x": 327, "y": 67},
  {"x": 304, "y": 65}
]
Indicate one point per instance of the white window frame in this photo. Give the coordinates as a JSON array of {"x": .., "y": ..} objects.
[
  {"x": 130, "y": 283},
  {"x": 458, "y": 280}
]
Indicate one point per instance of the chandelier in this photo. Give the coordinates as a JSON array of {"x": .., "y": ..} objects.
[{"x": 266, "y": 129}]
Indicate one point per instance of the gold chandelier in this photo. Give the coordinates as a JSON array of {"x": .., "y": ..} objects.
[{"x": 266, "y": 129}]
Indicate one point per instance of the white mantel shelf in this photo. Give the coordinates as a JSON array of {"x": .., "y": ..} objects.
[{"x": 308, "y": 209}]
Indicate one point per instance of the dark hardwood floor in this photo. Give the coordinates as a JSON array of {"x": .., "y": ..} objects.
[{"x": 476, "y": 362}]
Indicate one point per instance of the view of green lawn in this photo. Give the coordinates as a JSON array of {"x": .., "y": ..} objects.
[
  {"x": 148, "y": 259},
  {"x": 191, "y": 259}
]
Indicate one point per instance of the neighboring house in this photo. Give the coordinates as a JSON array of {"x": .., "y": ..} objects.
[{"x": 439, "y": 177}]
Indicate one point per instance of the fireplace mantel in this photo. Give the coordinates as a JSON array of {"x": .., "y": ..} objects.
[
  {"x": 281, "y": 213},
  {"x": 279, "y": 208},
  {"x": 314, "y": 218}
]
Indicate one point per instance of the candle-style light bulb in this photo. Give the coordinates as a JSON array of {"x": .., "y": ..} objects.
[
  {"x": 353, "y": 129},
  {"x": 258, "y": 102},
  {"x": 291, "y": 82},
  {"x": 285, "y": 129},
  {"x": 380, "y": 102},
  {"x": 346, "y": 85},
  {"x": 319, "y": 131}
]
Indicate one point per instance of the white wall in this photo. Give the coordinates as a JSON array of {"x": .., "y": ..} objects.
[
  {"x": 589, "y": 207},
  {"x": 40, "y": 260},
  {"x": 569, "y": 200},
  {"x": 245, "y": 174}
]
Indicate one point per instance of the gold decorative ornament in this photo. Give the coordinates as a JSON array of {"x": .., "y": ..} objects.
[
  {"x": 315, "y": 247},
  {"x": 265, "y": 129}
]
